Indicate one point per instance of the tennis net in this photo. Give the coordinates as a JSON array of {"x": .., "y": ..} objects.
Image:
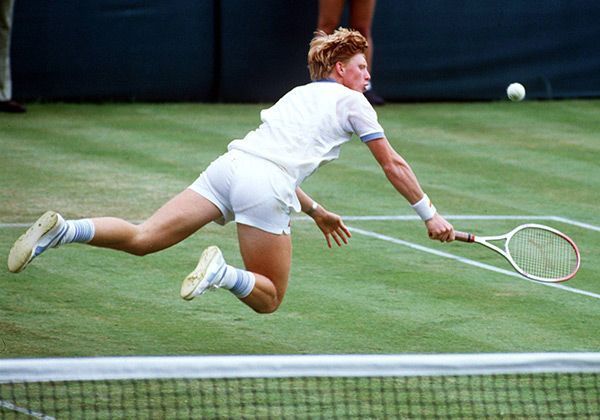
[{"x": 516, "y": 385}]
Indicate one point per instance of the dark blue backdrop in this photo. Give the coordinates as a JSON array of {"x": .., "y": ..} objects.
[{"x": 255, "y": 50}]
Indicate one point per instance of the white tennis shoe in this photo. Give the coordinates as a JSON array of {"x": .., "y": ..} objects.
[
  {"x": 45, "y": 233},
  {"x": 208, "y": 274}
]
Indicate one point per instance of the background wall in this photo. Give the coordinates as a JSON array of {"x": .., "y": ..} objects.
[
  {"x": 472, "y": 49},
  {"x": 113, "y": 49},
  {"x": 255, "y": 50}
]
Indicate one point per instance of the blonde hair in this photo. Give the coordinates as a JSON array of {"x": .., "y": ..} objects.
[{"x": 326, "y": 50}]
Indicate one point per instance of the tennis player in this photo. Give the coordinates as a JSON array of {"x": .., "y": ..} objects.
[{"x": 257, "y": 185}]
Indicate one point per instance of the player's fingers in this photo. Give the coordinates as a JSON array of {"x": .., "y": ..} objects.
[
  {"x": 437, "y": 236},
  {"x": 345, "y": 229},
  {"x": 342, "y": 234},
  {"x": 336, "y": 238},
  {"x": 448, "y": 236},
  {"x": 441, "y": 236},
  {"x": 328, "y": 240},
  {"x": 434, "y": 236},
  {"x": 451, "y": 236}
]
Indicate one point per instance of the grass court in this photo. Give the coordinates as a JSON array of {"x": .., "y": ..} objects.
[{"x": 389, "y": 291}]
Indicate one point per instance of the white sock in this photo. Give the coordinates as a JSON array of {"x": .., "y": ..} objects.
[
  {"x": 81, "y": 231},
  {"x": 237, "y": 281}
]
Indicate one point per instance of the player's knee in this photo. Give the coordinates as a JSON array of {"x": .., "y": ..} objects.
[
  {"x": 139, "y": 249},
  {"x": 141, "y": 245},
  {"x": 268, "y": 307}
]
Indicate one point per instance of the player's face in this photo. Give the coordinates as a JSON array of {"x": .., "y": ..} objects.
[{"x": 355, "y": 74}]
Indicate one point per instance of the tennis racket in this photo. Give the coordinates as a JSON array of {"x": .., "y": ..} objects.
[{"x": 537, "y": 252}]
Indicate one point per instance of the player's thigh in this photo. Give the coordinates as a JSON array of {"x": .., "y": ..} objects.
[
  {"x": 181, "y": 216},
  {"x": 267, "y": 254},
  {"x": 330, "y": 14},
  {"x": 361, "y": 16}
]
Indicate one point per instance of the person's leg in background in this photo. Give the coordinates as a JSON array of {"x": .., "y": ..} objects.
[
  {"x": 361, "y": 18},
  {"x": 6, "y": 17}
]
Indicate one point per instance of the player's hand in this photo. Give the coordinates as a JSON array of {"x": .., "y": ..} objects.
[
  {"x": 439, "y": 229},
  {"x": 332, "y": 226}
]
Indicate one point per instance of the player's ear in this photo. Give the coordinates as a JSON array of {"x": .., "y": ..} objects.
[{"x": 340, "y": 68}]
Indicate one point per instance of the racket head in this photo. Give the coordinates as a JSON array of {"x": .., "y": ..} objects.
[{"x": 542, "y": 253}]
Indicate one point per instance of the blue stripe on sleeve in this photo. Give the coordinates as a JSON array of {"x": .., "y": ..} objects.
[{"x": 372, "y": 136}]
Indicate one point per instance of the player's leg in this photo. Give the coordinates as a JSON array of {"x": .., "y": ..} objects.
[
  {"x": 262, "y": 285},
  {"x": 183, "y": 215},
  {"x": 176, "y": 220},
  {"x": 330, "y": 14},
  {"x": 261, "y": 197},
  {"x": 269, "y": 257}
]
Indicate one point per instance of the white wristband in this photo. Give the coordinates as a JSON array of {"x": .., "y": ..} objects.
[
  {"x": 424, "y": 208},
  {"x": 314, "y": 206}
]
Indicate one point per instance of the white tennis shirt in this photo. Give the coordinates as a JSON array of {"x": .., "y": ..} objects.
[{"x": 306, "y": 128}]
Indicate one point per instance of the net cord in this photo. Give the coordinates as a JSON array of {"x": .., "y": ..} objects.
[{"x": 288, "y": 366}]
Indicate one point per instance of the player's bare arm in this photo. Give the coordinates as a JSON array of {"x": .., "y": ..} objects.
[
  {"x": 331, "y": 224},
  {"x": 402, "y": 177}
]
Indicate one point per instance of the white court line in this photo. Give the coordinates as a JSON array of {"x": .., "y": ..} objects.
[
  {"x": 470, "y": 217},
  {"x": 440, "y": 253},
  {"x": 17, "y": 409},
  {"x": 576, "y": 223},
  {"x": 415, "y": 217},
  {"x": 467, "y": 261},
  {"x": 15, "y": 225}
]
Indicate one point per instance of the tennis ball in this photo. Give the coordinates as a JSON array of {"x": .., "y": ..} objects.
[{"x": 515, "y": 92}]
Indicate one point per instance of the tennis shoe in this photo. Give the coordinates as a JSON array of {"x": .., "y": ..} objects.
[
  {"x": 208, "y": 274},
  {"x": 45, "y": 233}
]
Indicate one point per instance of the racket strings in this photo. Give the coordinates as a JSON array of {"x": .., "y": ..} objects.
[{"x": 542, "y": 253}]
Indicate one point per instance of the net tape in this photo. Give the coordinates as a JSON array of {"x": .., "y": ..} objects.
[
  {"x": 524, "y": 385},
  {"x": 271, "y": 366}
]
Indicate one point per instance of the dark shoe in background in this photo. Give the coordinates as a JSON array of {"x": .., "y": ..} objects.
[
  {"x": 12, "y": 107},
  {"x": 374, "y": 98}
]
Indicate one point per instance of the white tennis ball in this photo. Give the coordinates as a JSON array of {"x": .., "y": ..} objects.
[{"x": 515, "y": 92}]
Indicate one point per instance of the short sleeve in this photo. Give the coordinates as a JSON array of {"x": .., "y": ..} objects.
[{"x": 358, "y": 116}]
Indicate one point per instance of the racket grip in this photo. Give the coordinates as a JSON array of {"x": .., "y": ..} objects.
[{"x": 463, "y": 236}]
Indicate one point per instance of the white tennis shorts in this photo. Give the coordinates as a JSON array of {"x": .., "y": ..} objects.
[{"x": 250, "y": 190}]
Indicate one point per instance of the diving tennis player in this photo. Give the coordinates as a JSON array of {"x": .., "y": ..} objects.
[{"x": 256, "y": 184}]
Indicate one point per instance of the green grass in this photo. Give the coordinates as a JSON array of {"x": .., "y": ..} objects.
[{"x": 497, "y": 158}]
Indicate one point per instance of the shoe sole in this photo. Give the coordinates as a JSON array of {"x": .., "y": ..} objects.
[
  {"x": 194, "y": 281},
  {"x": 21, "y": 253}
]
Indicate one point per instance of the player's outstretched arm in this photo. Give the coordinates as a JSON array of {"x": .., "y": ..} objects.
[
  {"x": 330, "y": 223},
  {"x": 401, "y": 176}
]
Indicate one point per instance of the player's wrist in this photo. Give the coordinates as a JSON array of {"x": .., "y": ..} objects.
[
  {"x": 424, "y": 208},
  {"x": 314, "y": 206}
]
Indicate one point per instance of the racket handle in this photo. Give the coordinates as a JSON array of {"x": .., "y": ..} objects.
[{"x": 463, "y": 236}]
